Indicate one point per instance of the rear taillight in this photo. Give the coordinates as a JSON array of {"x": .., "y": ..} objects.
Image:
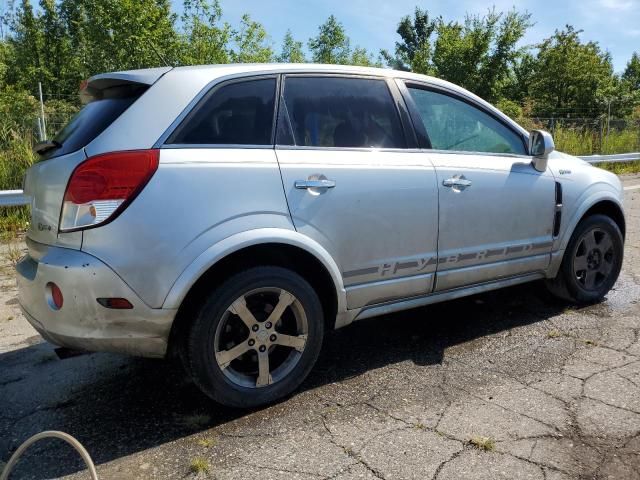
[{"x": 102, "y": 186}]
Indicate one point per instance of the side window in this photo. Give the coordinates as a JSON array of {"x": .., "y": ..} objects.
[
  {"x": 239, "y": 113},
  {"x": 341, "y": 112},
  {"x": 455, "y": 125}
]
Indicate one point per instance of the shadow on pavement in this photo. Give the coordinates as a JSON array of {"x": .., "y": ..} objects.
[{"x": 126, "y": 405}]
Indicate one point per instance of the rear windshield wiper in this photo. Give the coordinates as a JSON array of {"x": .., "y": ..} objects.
[{"x": 43, "y": 147}]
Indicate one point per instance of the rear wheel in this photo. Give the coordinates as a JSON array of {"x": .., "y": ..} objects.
[
  {"x": 592, "y": 261},
  {"x": 256, "y": 338}
]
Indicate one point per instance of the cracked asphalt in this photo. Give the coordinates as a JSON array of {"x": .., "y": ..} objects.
[{"x": 511, "y": 384}]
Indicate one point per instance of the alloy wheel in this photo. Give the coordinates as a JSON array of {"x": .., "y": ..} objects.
[
  {"x": 261, "y": 337},
  {"x": 594, "y": 259}
]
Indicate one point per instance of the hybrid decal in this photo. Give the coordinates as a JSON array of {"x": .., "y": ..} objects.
[{"x": 419, "y": 265}]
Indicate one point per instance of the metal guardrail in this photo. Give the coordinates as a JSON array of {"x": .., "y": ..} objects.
[
  {"x": 14, "y": 198},
  {"x": 620, "y": 157}
]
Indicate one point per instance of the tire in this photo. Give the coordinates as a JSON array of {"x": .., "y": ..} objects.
[
  {"x": 591, "y": 262},
  {"x": 227, "y": 344}
]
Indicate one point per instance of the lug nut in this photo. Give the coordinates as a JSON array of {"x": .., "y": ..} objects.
[
  {"x": 262, "y": 348},
  {"x": 268, "y": 325},
  {"x": 255, "y": 327},
  {"x": 252, "y": 342},
  {"x": 272, "y": 338}
]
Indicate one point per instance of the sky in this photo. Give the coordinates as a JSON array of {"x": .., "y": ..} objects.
[{"x": 614, "y": 24}]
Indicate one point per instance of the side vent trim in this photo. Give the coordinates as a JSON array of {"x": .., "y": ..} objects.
[{"x": 557, "y": 220}]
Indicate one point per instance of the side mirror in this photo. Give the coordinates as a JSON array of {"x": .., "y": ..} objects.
[{"x": 540, "y": 146}]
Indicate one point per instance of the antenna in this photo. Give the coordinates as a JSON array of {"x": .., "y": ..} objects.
[{"x": 162, "y": 59}]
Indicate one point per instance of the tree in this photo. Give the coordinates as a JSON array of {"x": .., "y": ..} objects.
[
  {"x": 6, "y": 52},
  {"x": 26, "y": 42},
  {"x": 478, "y": 54},
  {"x": 291, "y": 50},
  {"x": 360, "y": 56},
  {"x": 205, "y": 39},
  {"x": 125, "y": 34},
  {"x": 518, "y": 84},
  {"x": 332, "y": 45},
  {"x": 252, "y": 42},
  {"x": 631, "y": 74},
  {"x": 414, "y": 52},
  {"x": 570, "y": 78},
  {"x": 56, "y": 50}
]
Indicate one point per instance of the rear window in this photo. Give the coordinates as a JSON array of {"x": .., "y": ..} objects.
[
  {"x": 239, "y": 113},
  {"x": 94, "y": 118}
]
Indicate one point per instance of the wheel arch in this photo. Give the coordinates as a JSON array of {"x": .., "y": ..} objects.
[
  {"x": 267, "y": 247},
  {"x": 605, "y": 203},
  {"x": 612, "y": 210}
]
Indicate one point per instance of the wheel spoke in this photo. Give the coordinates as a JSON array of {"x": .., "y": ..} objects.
[
  {"x": 605, "y": 244},
  {"x": 580, "y": 263},
  {"x": 239, "y": 307},
  {"x": 297, "y": 342},
  {"x": 605, "y": 267},
  {"x": 590, "y": 241},
  {"x": 590, "y": 279},
  {"x": 284, "y": 301},
  {"x": 225, "y": 357},
  {"x": 264, "y": 377}
]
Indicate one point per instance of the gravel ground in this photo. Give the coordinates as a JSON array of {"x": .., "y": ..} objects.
[{"x": 510, "y": 384}]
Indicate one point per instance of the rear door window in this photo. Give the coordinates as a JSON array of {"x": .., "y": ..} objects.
[
  {"x": 340, "y": 112},
  {"x": 94, "y": 118},
  {"x": 239, "y": 113}
]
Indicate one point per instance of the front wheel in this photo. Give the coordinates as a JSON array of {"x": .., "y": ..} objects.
[
  {"x": 256, "y": 337},
  {"x": 592, "y": 261}
]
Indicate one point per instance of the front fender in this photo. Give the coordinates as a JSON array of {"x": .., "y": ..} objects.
[
  {"x": 248, "y": 238},
  {"x": 595, "y": 194}
]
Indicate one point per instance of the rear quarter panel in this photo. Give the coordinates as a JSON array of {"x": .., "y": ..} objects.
[{"x": 197, "y": 198}]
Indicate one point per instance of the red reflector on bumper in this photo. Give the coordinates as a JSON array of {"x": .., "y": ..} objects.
[
  {"x": 115, "y": 303},
  {"x": 54, "y": 295}
]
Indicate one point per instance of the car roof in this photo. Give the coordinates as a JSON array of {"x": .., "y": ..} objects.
[
  {"x": 238, "y": 68},
  {"x": 150, "y": 75}
]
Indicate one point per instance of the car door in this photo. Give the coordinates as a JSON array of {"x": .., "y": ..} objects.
[
  {"x": 354, "y": 186},
  {"x": 496, "y": 210}
]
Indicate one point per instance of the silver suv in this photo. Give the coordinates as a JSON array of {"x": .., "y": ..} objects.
[{"x": 232, "y": 214}]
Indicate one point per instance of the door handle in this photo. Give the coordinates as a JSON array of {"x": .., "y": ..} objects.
[
  {"x": 458, "y": 182},
  {"x": 320, "y": 183}
]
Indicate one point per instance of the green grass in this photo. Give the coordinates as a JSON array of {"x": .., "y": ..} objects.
[
  {"x": 621, "y": 168},
  {"x": 575, "y": 142},
  {"x": 483, "y": 443},
  {"x": 207, "y": 442},
  {"x": 13, "y": 221},
  {"x": 199, "y": 465},
  {"x": 580, "y": 141},
  {"x": 16, "y": 156}
]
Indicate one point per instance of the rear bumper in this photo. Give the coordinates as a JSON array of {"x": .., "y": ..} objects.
[{"x": 82, "y": 323}]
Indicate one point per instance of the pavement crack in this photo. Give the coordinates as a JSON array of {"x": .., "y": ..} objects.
[
  {"x": 351, "y": 453},
  {"x": 284, "y": 470},
  {"x": 444, "y": 463},
  {"x": 612, "y": 405}
]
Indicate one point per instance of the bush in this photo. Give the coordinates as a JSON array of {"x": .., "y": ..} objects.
[
  {"x": 509, "y": 108},
  {"x": 16, "y": 156}
]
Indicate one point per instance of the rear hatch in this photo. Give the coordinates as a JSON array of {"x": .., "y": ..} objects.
[{"x": 105, "y": 98}]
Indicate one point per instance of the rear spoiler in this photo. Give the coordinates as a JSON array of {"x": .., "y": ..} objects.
[{"x": 90, "y": 89}]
